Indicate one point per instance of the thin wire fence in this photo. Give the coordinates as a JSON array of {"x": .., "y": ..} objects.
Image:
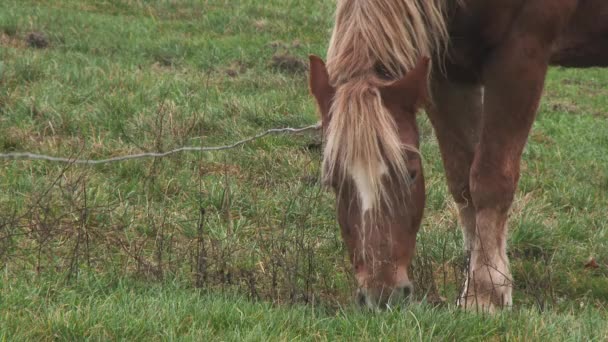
[
  {"x": 215, "y": 236},
  {"x": 34, "y": 156}
]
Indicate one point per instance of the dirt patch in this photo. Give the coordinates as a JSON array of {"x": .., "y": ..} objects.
[
  {"x": 235, "y": 69},
  {"x": 37, "y": 40},
  {"x": 279, "y": 44},
  {"x": 541, "y": 138},
  {"x": 286, "y": 62},
  {"x": 165, "y": 60},
  {"x": 11, "y": 41},
  {"x": 564, "y": 106},
  {"x": 284, "y": 59},
  {"x": 260, "y": 24},
  {"x": 275, "y": 44}
]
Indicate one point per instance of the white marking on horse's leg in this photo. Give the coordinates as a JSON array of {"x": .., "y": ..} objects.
[
  {"x": 363, "y": 182},
  {"x": 489, "y": 283},
  {"x": 466, "y": 213}
]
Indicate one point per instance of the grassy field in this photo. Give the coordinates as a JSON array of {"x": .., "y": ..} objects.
[{"x": 243, "y": 244}]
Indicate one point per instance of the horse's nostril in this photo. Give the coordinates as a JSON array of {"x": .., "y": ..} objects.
[
  {"x": 408, "y": 291},
  {"x": 361, "y": 299}
]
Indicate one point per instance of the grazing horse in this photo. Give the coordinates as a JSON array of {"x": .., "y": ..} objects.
[{"x": 478, "y": 68}]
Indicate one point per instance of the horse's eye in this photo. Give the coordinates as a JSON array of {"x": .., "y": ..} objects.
[
  {"x": 413, "y": 175},
  {"x": 382, "y": 72}
]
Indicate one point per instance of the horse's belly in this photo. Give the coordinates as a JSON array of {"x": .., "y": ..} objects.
[{"x": 584, "y": 42}]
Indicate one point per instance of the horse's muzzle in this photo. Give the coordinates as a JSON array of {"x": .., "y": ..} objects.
[{"x": 385, "y": 298}]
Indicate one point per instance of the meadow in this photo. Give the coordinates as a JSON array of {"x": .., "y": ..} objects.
[{"x": 243, "y": 244}]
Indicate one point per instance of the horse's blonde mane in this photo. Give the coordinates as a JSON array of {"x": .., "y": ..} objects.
[{"x": 393, "y": 34}]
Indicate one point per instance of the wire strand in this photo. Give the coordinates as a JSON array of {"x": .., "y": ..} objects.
[{"x": 34, "y": 156}]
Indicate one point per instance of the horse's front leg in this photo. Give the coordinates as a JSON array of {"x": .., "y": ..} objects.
[
  {"x": 513, "y": 79},
  {"x": 456, "y": 116}
]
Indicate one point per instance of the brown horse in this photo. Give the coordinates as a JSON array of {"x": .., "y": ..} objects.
[{"x": 488, "y": 59}]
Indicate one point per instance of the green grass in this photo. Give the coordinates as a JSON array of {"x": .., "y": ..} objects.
[
  {"x": 99, "y": 309},
  {"x": 180, "y": 246}
]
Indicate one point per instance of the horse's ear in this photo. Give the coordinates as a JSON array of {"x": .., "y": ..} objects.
[
  {"x": 411, "y": 91},
  {"x": 320, "y": 87}
]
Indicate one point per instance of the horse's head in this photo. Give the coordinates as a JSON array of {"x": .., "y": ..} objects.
[{"x": 371, "y": 162}]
